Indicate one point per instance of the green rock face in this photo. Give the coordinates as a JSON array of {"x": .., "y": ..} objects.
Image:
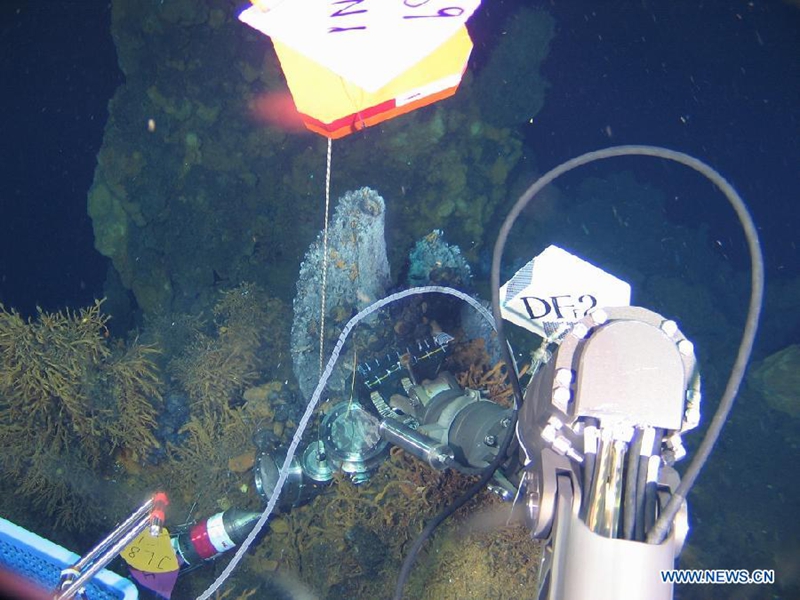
[
  {"x": 203, "y": 180},
  {"x": 777, "y": 379},
  {"x": 109, "y": 220}
]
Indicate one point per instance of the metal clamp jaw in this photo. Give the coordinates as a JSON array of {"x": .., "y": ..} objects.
[
  {"x": 600, "y": 428},
  {"x": 444, "y": 424}
]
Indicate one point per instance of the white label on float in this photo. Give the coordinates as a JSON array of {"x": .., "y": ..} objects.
[{"x": 368, "y": 42}]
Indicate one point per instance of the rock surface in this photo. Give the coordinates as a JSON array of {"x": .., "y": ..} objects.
[{"x": 358, "y": 274}]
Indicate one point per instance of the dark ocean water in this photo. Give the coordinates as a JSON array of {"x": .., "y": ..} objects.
[
  {"x": 719, "y": 80},
  {"x": 59, "y": 70}
]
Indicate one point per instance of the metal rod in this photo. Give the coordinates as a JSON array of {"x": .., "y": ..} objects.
[
  {"x": 103, "y": 559},
  {"x": 113, "y": 536}
]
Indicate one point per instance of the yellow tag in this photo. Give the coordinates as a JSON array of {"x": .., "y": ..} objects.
[{"x": 151, "y": 554}]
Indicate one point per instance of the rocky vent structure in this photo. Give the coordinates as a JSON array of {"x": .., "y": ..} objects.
[{"x": 358, "y": 274}]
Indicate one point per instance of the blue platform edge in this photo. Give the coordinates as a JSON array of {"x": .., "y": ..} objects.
[{"x": 41, "y": 561}]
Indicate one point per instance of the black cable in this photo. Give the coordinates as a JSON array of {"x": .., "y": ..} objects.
[
  {"x": 643, "y": 520},
  {"x": 658, "y": 532},
  {"x": 650, "y": 497},
  {"x": 631, "y": 480},
  {"x": 516, "y": 388},
  {"x": 641, "y": 483},
  {"x": 411, "y": 557},
  {"x": 662, "y": 525}
]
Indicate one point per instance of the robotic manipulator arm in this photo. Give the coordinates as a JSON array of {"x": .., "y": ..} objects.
[{"x": 599, "y": 430}]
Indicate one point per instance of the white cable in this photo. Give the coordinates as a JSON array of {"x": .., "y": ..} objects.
[{"x": 312, "y": 404}]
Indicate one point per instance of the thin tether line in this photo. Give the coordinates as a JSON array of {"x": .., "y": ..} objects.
[{"x": 324, "y": 260}]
